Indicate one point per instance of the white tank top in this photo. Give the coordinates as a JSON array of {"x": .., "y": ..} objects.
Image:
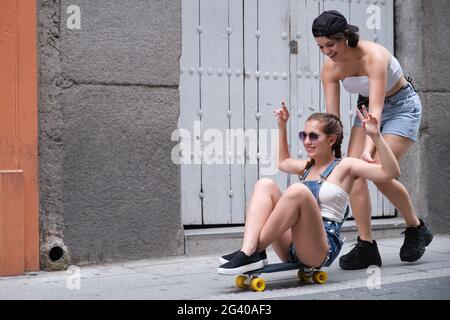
[
  {"x": 333, "y": 201},
  {"x": 360, "y": 84}
]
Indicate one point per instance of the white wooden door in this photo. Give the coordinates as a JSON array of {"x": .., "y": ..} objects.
[
  {"x": 236, "y": 67},
  {"x": 266, "y": 59}
]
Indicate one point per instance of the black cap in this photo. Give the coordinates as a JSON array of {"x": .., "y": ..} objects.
[{"x": 331, "y": 22}]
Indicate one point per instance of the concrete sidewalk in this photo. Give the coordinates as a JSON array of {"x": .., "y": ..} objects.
[{"x": 196, "y": 278}]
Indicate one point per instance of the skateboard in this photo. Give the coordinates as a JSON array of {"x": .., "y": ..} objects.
[{"x": 251, "y": 279}]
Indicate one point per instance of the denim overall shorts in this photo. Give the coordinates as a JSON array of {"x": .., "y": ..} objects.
[{"x": 332, "y": 228}]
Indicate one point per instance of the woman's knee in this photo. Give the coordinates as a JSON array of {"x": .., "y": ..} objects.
[
  {"x": 360, "y": 189},
  {"x": 360, "y": 183},
  {"x": 297, "y": 191},
  {"x": 266, "y": 183}
]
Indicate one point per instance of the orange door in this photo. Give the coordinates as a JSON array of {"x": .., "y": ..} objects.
[{"x": 19, "y": 215}]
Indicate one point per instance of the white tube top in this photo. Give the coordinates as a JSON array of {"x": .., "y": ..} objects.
[
  {"x": 360, "y": 84},
  {"x": 333, "y": 201}
]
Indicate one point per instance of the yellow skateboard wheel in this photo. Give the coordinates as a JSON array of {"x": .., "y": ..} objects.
[
  {"x": 320, "y": 277},
  {"x": 303, "y": 276},
  {"x": 240, "y": 282},
  {"x": 258, "y": 284}
]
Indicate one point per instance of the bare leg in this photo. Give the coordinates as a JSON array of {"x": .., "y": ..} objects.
[
  {"x": 359, "y": 196},
  {"x": 298, "y": 211},
  {"x": 362, "y": 208},
  {"x": 394, "y": 190},
  {"x": 264, "y": 198},
  {"x": 397, "y": 194}
]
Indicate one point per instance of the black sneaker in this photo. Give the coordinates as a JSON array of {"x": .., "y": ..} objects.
[
  {"x": 241, "y": 263},
  {"x": 226, "y": 258},
  {"x": 363, "y": 255},
  {"x": 416, "y": 239}
]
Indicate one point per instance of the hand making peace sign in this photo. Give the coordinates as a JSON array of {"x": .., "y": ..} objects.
[{"x": 370, "y": 123}]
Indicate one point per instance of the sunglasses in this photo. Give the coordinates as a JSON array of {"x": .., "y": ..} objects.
[{"x": 313, "y": 137}]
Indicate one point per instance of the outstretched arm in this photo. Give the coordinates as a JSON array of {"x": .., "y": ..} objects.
[
  {"x": 331, "y": 89},
  {"x": 388, "y": 168},
  {"x": 285, "y": 162},
  {"x": 377, "y": 72}
]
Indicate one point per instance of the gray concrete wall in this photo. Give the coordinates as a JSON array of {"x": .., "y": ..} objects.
[
  {"x": 423, "y": 48},
  {"x": 108, "y": 104}
]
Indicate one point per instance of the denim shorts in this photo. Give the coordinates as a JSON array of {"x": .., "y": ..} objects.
[
  {"x": 334, "y": 245},
  {"x": 401, "y": 114}
]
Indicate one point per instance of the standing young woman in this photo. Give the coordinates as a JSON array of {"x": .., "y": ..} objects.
[{"x": 371, "y": 71}]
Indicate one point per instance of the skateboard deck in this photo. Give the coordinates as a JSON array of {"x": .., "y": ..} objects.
[
  {"x": 276, "y": 267},
  {"x": 251, "y": 279}
]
